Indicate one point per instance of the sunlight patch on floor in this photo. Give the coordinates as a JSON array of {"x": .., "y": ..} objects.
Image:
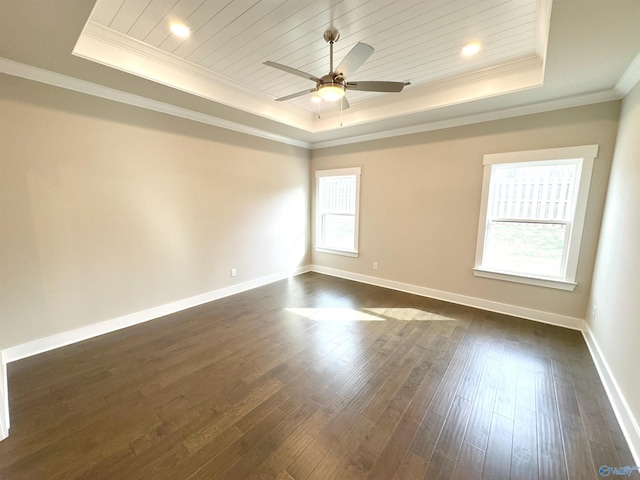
[
  {"x": 367, "y": 314},
  {"x": 408, "y": 314},
  {"x": 334, "y": 314}
]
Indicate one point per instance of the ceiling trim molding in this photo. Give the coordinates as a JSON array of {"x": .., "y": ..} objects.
[
  {"x": 48, "y": 77},
  {"x": 544, "y": 24},
  {"x": 521, "y": 74},
  {"x": 629, "y": 78},
  {"x": 568, "y": 102},
  {"x": 108, "y": 47},
  {"x": 105, "y": 46},
  {"x": 40, "y": 75}
]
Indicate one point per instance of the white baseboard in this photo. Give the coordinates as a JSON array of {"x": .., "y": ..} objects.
[
  {"x": 626, "y": 419},
  {"x": 522, "y": 312},
  {"x": 4, "y": 399},
  {"x": 623, "y": 413},
  {"x": 41, "y": 345},
  {"x": 55, "y": 341}
]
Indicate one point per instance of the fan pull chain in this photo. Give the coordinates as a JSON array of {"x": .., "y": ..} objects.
[{"x": 341, "y": 103}]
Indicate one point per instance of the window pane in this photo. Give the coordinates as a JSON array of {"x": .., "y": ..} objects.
[
  {"x": 540, "y": 192},
  {"x": 338, "y": 194},
  {"x": 336, "y": 210},
  {"x": 532, "y": 248},
  {"x": 339, "y": 231}
]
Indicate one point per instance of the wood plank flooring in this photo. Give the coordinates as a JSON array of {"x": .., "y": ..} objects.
[{"x": 315, "y": 378}]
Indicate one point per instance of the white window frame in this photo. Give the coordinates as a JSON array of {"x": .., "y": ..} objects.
[
  {"x": 339, "y": 172},
  {"x": 586, "y": 155}
]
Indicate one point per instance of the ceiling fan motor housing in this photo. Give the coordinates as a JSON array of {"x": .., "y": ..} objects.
[{"x": 332, "y": 79}]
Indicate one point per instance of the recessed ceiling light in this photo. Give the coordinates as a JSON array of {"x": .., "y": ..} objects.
[
  {"x": 180, "y": 29},
  {"x": 471, "y": 49}
]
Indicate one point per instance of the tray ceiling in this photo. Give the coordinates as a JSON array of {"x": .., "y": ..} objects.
[
  {"x": 415, "y": 41},
  {"x": 579, "y": 52}
]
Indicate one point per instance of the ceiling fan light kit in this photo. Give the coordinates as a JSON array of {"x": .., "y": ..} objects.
[
  {"x": 333, "y": 86},
  {"x": 331, "y": 92}
]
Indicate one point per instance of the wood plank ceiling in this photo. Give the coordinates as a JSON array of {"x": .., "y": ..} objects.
[{"x": 415, "y": 40}]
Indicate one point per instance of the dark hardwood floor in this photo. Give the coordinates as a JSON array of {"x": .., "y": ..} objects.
[{"x": 315, "y": 378}]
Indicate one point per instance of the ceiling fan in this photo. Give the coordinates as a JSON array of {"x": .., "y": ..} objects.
[{"x": 333, "y": 86}]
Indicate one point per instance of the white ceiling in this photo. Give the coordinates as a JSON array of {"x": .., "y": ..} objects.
[
  {"x": 535, "y": 56},
  {"x": 415, "y": 40}
]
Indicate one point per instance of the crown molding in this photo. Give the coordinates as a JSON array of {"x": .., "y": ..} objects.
[
  {"x": 17, "y": 69},
  {"x": 40, "y": 75},
  {"x": 629, "y": 78},
  {"x": 28, "y": 72},
  {"x": 517, "y": 75},
  {"x": 105, "y": 46},
  {"x": 558, "y": 104}
]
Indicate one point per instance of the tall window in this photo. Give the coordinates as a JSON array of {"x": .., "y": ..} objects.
[
  {"x": 532, "y": 213},
  {"x": 337, "y": 202}
]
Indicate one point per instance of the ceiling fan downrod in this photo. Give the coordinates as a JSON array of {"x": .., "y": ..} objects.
[{"x": 331, "y": 36}]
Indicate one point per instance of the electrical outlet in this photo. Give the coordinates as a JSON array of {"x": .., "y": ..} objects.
[
  {"x": 375, "y": 265},
  {"x": 234, "y": 272},
  {"x": 594, "y": 309}
]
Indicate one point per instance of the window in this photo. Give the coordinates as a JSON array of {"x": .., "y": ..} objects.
[
  {"x": 531, "y": 215},
  {"x": 337, "y": 202}
]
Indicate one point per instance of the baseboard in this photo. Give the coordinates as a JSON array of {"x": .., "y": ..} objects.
[
  {"x": 41, "y": 345},
  {"x": 52, "y": 342},
  {"x": 4, "y": 399},
  {"x": 65, "y": 338},
  {"x": 626, "y": 419},
  {"x": 522, "y": 312},
  {"x": 623, "y": 413}
]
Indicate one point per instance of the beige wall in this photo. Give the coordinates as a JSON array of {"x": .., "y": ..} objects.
[
  {"x": 107, "y": 210},
  {"x": 420, "y": 198},
  {"x": 616, "y": 285}
]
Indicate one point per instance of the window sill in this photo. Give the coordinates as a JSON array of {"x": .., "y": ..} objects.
[
  {"x": 538, "y": 281},
  {"x": 344, "y": 253}
]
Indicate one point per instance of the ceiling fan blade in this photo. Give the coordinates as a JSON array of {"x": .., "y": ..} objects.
[
  {"x": 376, "y": 86},
  {"x": 354, "y": 59},
  {"x": 295, "y": 95},
  {"x": 299, "y": 73},
  {"x": 345, "y": 103}
]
